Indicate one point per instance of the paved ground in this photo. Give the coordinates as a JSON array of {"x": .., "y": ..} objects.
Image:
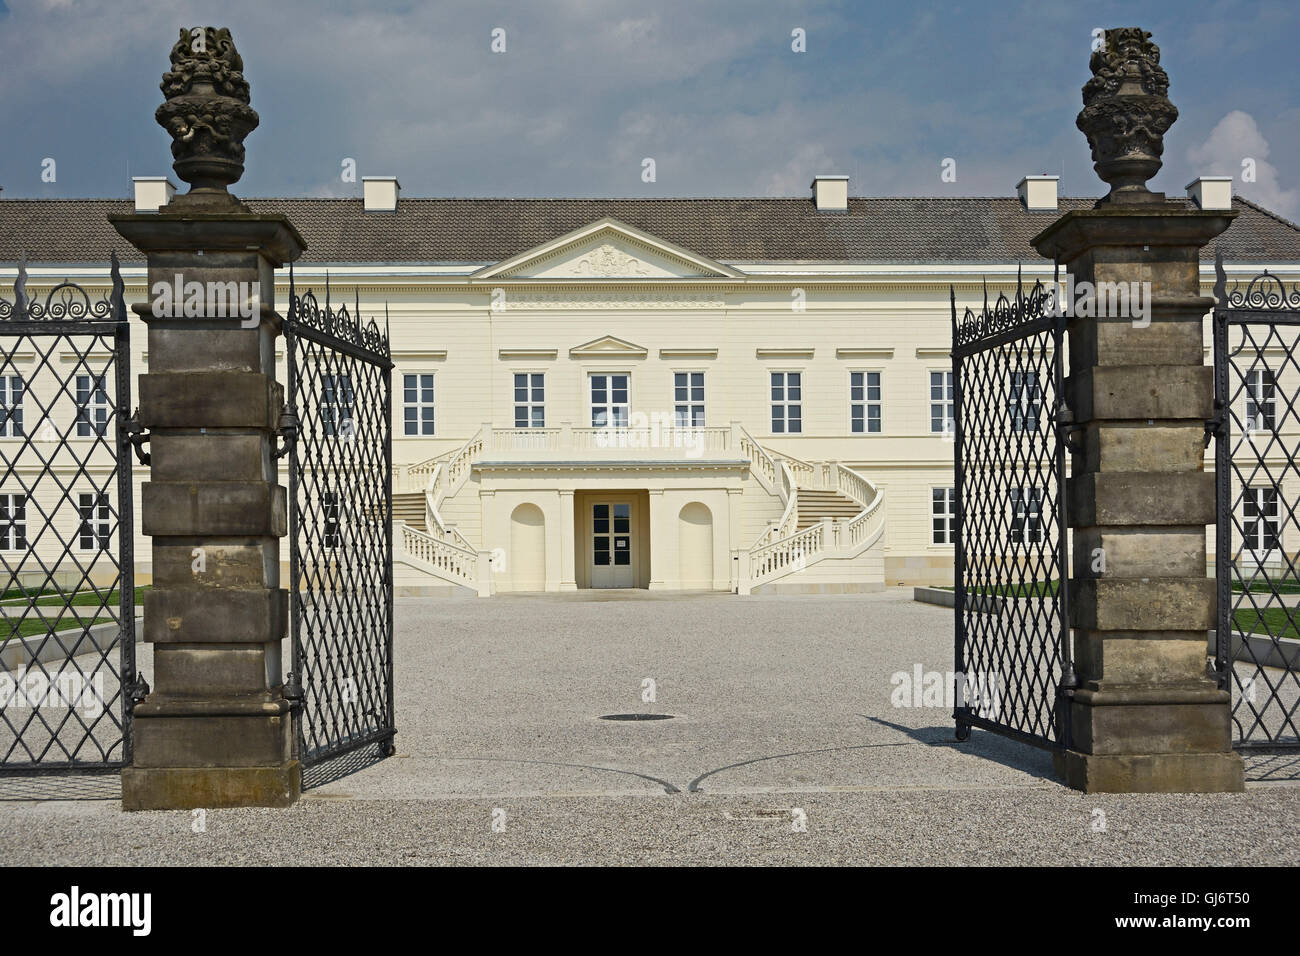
[{"x": 778, "y": 704}]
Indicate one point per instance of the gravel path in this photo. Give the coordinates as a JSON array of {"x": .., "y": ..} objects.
[{"x": 779, "y": 703}]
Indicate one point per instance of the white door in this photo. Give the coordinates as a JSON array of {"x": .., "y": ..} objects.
[{"x": 611, "y": 550}]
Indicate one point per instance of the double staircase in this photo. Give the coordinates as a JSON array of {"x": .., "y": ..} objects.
[{"x": 827, "y": 539}]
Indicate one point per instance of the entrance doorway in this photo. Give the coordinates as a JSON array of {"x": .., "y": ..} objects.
[{"x": 611, "y": 551}]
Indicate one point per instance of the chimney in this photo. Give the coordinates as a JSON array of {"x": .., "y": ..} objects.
[
  {"x": 831, "y": 193},
  {"x": 1038, "y": 193},
  {"x": 1211, "y": 192},
  {"x": 152, "y": 192},
  {"x": 380, "y": 193}
]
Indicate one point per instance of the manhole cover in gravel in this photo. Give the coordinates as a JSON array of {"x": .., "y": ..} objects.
[{"x": 637, "y": 717}]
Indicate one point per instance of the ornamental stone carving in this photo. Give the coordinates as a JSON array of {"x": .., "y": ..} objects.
[
  {"x": 607, "y": 261},
  {"x": 207, "y": 114},
  {"x": 1126, "y": 114}
]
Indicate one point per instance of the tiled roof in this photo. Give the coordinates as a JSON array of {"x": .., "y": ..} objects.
[{"x": 489, "y": 230}]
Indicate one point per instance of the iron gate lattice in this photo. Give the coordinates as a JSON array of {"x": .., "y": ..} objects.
[
  {"x": 1257, "y": 540},
  {"x": 67, "y": 679},
  {"x": 1013, "y": 653},
  {"x": 340, "y": 528}
]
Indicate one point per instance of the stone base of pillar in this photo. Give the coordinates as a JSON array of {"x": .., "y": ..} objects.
[
  {"x": 1136, "y": 738},
  {"x": 189, "y": 788},
  {"x": 194, "y": 752},
  {"x": 1151, "y": 773}
]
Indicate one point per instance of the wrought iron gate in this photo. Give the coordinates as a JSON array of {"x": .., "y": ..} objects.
[
  {"x": 1013, "y": 653},
  {"x": 1257, "y": 541},
  {"x": 68, "y": 678},
  {"x": 340, "y": 528}
]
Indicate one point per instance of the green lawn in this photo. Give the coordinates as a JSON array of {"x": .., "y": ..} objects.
[
  {"x": 1272, "y": 621},
  {"x": 1260, "y": 586},
  {"x": 33, "y": 624}
]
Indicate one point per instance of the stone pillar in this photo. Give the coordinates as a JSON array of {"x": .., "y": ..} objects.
[
  {"x": 1145, "y": 717},
  {"x": 568, "y": 549},
  {"x": 216, "y": 730},
  {"x": 663, "y": 542}
]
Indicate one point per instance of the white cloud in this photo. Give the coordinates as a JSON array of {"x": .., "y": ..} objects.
[{"x": 1235, "y": 139}]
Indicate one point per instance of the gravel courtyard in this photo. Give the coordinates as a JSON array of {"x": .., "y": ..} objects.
[{"x": 779, "y": 704}]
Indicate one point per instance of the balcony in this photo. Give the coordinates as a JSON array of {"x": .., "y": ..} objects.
[{"x": 648, "y": 443}]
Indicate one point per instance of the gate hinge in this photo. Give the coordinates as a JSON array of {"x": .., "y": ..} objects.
[
  {"x": 1217, "y": 426},
  {"x": 137, "y": 436},
  {"x": 1065, "y": 423},
  {"x": 292, "y": 690},
  {"x": 288, "y": 432},
  {"x": 137, "y": 689}
]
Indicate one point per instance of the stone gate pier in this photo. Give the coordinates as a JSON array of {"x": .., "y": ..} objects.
[
  {"x": 216, "y": 730},
  {"x": 1145, "y": 717}
]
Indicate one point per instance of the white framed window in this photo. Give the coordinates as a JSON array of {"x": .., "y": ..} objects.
[
  {"x": 787, "y": 403},
  {"x": 330, "y": 506},
  {"x": 942, "y": 414},
  {"x": 11, "y": 406},
  {"x": 1026, "y": 503},
  {"x": 609, "y": 399},
  {"x": 1260, "y": 524},
  {"x": 1261, "y": 400},
  {"x": 13, "y": 522},
  {"x": 1025, "y": 401},
  {"x": 337, "y": 404},
  {"x": 530, "y": 400},
  {"x": 688, "y": 399},
  {"x": 417, "y": 404},
  {"x": 864, "y": 403},
  {"x": 943, "y": 515},
  {"x": 92, "y": 406},
  {"x": 95, "y": 531}
]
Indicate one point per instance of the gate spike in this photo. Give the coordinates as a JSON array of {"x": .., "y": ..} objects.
[
  {"x": 1220, "y": 280},
  {"x": 327, "y": 292},
  {"x": 20, "y": 286},
  {"x": 986, "y": 295},
  {"x": 291, "y": 285},
  {"x": 356, "y": 305},
  {"x": 119, "y": 288}
]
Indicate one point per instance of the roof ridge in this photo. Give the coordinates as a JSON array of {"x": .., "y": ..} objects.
[{"x": 1266, "y": 211}]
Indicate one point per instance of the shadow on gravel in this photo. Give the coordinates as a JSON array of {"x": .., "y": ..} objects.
[
  {"x": 342, "y": 766},
  {"x": 62, "y": 786},
  {"x": 1272, "y": 768},
  {"x": 982, "y": 744}
]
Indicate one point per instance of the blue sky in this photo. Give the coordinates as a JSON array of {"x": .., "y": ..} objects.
[{"x": 586, "y": 89}]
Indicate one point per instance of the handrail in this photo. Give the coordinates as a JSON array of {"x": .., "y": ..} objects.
[
  {"x": 448, "y": 560},
  {"x": 760, "y": 457}
]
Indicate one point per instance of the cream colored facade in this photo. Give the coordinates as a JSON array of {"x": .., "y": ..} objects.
[{"x": 693, "y": 491}]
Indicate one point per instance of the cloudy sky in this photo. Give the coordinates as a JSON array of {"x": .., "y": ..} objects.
[{"x": 587, "y": 89}]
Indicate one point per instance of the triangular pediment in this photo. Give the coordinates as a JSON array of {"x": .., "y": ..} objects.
[
  {"x": 608, "y": 249},
  {"x": 608, "y": 346}
]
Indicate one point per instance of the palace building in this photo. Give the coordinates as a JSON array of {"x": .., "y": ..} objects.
[{"x": 746, "y": 395}]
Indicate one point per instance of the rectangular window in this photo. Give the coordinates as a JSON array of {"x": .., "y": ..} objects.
[
  {"x": 337, "y": 402},
  {"x": 864, "y": 402},
  {"x": 609, "y": 404},
  {"x": 11, "y": 406},
  {"x": 417, "y": 404},
  {"x": 787, "y": 403},
  {"x": 942, "y": 416},
  {"x": 13, "y": 522},
  {"x": 96, "y": 522},
  {"x": 1025, "y": 401},
  {"x": 330, "y": 506},
  {"x": 688, "y": 399},
  {"x": 1026, "y": 515},
  {"x": 1260, "y": 527},
  {"x": 1261, "y": 400},
  {"x": 92, "y": 406},
  {"x": 530, "y": 400},
  {"x": 943, "y": 514}
]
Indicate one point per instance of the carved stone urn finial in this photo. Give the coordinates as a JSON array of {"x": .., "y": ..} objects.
[
  {"x": 207, "y": 114},
  {"x": 1126, "y": 114}
]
